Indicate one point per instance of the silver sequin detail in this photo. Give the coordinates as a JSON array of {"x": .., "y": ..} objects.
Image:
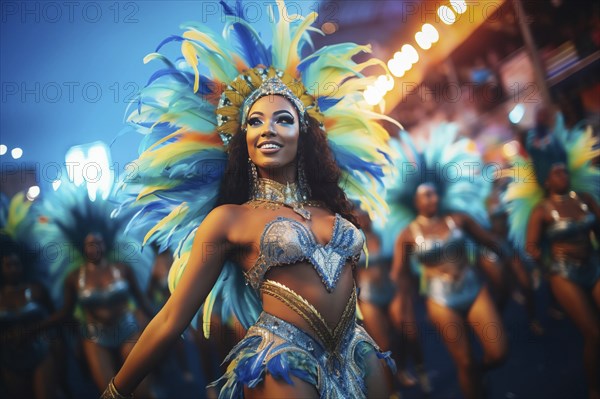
[{"x": 287, "y": 241}]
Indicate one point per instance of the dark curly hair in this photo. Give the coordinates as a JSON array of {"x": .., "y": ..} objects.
[{"x": 322, "y": 172}]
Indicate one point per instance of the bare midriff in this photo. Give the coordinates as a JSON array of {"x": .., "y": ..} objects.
[
  {"x": 304, "y": 280},
  {"x": 450, "y": 269},
  {"x": 107, "y": 315}
]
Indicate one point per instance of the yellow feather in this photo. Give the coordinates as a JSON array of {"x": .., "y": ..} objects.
[
  {"x": 204, "y": 38},
  {"x": 293, "y": 59},
  {"x": 170, "y": 217},
  {"x": 190, "y": 55}
]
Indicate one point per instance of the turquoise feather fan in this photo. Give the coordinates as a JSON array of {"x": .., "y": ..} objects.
[
  {"x": 451, "y": 163},
  {"x": 67, "y": 215}
]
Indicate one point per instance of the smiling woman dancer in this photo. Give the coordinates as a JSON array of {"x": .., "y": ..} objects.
[{"x": 246, "y": 184}]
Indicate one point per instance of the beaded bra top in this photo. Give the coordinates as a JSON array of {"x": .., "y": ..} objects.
[
  {"x": 287, "y": 241},
  {"x": 30, "y": 311},
  {"x": 563, "y": 228},
  {"x": 115, "y": 292},
  {"x": 432, "y": 250}
]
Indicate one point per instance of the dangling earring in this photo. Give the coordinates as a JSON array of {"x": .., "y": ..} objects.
[
  {"x": 253, "y": 176},
  {"x": 302, "y": 180}
]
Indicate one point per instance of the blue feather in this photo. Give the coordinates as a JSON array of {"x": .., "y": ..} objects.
[
  {"x": 327, "y": 102},
  {"x": 172, "y": 38},
  {"x": 278, "y": 367},
  {"x": 351, "y": 162},
  {"x": 183, "y": 77},
  {"x": 254, "y": 50},
  {"x": 303, "y": 65}
]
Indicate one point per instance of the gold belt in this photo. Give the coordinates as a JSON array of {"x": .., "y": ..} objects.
[{"x": 330, "y": 338}]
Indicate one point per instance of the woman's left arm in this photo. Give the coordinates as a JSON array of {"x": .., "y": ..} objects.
[
  {"x": 485, "y": 237},
  {"x": 142, "y": 300}
]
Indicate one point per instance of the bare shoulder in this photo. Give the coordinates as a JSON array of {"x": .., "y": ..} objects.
[
  {"x": 227, "y": 213},
  {"x": 539, "y": 212},
  {"x": 222, "y": 219},
  {"x": 459, "y": 218},
  {"x": 405, "y": 236}
]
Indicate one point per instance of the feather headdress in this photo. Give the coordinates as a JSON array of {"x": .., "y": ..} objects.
[
  {"x": 188, "y": 117},
  {"x": 453, "y": 165},
  {"x": 66, "y": 216},
  {"x": 576, "y": 148}
]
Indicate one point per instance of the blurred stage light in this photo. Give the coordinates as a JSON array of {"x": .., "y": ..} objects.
[
  {"x": 459, "y": 6},
  {"x": 372, "y": 95},
  {"x": 410, "y": 52},
  {"x": 517, "y": 113},
  {"x": 16, "y": 153},
  {"x": 431, "y": 33},
  {"x": 33, "y": 193},
  {"x": 422, "y": 41},
  {"x": 511, "y": 149},
  {"x": 75, "y": 159},
  {"x": 398, "y": 68},
  {"x": 56, "y": 184},
  {"x": 90, "y": 163},
  {"x": 384, "y": 83},
  {"x": 3, "y": 149},
  {"x": 446, "y": 15}
]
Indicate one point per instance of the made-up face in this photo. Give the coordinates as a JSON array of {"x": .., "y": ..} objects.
[
  {"x": 93, "y": 247},
  {"x": 272, "y": 133},
  {"x": 558, "y": 180},
  {"x": 426, "y": 200}
]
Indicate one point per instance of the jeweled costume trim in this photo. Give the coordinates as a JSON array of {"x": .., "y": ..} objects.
[
  {"x": 336, "y": 367},
  {"x": 583, "y": 273},
  {"x": 335, "y": 361},
  {"x": 287, "y": 241}
]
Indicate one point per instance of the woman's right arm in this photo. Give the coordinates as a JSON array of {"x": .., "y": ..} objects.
[
  {"x": 209, "y": 252},
  {"x": 69, "y": 301},
  {"x": 534, "y": 234}
]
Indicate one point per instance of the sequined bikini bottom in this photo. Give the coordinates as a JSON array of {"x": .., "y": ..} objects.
[
  {"x": 458, "y": 294},
  {"x": 584, "y": 274},
  {"x": 335, "y": 363}
]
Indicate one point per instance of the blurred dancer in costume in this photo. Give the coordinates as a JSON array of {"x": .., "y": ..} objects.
[
  {"x": 443, "y": 209},
  {"x": 98, "y": 273},
  {"x": 27, "y": 364},
  {"x": 378, "y": 301},
  {"x": 268, "y": 228},
  {"x": 554, "y": 213},
  {"x": 520, "y": 275}
]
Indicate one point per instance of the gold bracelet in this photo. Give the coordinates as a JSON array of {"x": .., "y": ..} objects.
[{"x": 111, "y": 392}]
